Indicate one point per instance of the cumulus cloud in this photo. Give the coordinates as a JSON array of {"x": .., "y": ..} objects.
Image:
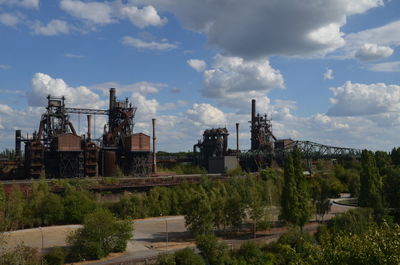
[
  {"x": 8, "y": 19},
  {"x": 54, "y": 27},
  {"x": 206, "y": 115},
  {"x": 370, "y": 52},
  {"x": 103, "y": 13},
  {"x": 141, "y": 18},
  {"x": 143, "y": 87},
  {"x": 146, "y": 108},
  {"x": 328, "y": 75},
  {"x": 250, "y": 30},
  {"x": 354, "y": 99},
  {"x": 198, "y": 65},
  {"x": 44, "y": 85},
  {"x": 22, "y": 3},
  {"x": 385, "y": 67},
  {"x": 233, "y": 80},
  {"x": 95, "y": 12},
  {"x": 150, "y": 45}
]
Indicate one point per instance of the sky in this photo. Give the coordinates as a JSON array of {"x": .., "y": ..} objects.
[{"x": 325, "y": 71}]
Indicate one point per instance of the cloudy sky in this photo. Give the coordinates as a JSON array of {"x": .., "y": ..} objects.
[{"x": 324, "y": 70}]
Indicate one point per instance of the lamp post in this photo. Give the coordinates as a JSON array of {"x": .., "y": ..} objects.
[
  {"x": 166, "y": 229},
  {"x": 41, "y": 233}
]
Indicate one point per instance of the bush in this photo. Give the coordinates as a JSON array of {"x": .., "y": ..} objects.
[
  {"x": 101, "y": 234},
  {"x": 187, "y": 256},
  {"x": 55, "y": 257}
]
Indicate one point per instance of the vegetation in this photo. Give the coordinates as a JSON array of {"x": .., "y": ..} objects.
[{"x": 101, "y": 234}]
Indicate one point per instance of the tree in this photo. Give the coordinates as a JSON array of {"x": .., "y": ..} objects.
[
  {"x": 212, "y": 251},
  {"x": 295, "y": 201},
  {"x": 77, "y": 204},
  {"x": 101, "y": 234},
  {"x": 289, "y": 199},
  {"x": 199, "y": 216},
  {"x": 14, "y": 209},
  {"x": 187, "y": 256},
  {"x": 370, "y": 184},
  {"x": 320, "y": 196}
]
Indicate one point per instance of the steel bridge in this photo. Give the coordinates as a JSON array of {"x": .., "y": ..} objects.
[{"x": 312, "y": 150}]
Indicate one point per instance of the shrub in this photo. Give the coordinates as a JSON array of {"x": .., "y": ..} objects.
[{"x": 55, "y": 257}]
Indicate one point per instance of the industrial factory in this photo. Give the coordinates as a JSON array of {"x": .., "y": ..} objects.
[{"x": 55, "y": 150}]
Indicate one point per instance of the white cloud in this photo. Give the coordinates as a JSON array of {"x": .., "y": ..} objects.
[
  {"x": 385, "y": 67},
  {"x": 44, "y": 85},
  {"x": 9, "y": 19},
  {"x": 249, "y": 30},
  {"x": 354, "y": 99},
  {"x": 151, "y": 45},
  {"x": 4, "y": 67},
  {"x": 72, "y": 55},
  {"x": 103, "y": 13},
  {"x": 22, "y": 3},
  {"x": 141, "y": 18},
  {"x": 95, "y": 12},
  {"x": 139, "y": 87},
  {"x": 328, "y": 75},
  {"x": 206, "y": 115},
  {"x": 147, "y": 108},
  {"x": 233, "y": 80},
  {"x": 370, "y": 52},
  {"x": 54, "y": 27},
  {"x": 387, "y": 35},
  {"x": 198, "y": 65}
]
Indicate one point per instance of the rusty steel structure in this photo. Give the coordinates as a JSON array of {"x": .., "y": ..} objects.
[{"x": 57, "y": 151}]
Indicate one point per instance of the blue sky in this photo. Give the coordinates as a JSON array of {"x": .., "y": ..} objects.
[{"x": 325, "y": 71}]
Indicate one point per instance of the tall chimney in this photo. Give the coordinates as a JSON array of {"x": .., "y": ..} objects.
[
  {"x": 253, "y": 118},
  {"x": 89, "y": 127},
  {"x": 237, "y": 139},
  {"x": 154, "y": 147},
  {"x": 112, "y": 98},
  {"x": 18, "y": 145}
]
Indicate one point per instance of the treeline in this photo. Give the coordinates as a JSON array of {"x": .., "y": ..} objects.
[
  {"x": 210, "y": 205},
  {"x": 350, "y": 238}
]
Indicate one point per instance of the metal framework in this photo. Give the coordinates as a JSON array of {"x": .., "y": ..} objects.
[{"x": 311, "y": 150}]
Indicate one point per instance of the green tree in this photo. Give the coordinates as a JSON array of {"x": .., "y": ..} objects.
[
  {"x": 370, "y": 184},
  {"x": 199, "y": 216},
  {"x": 295, "y": 201},
  {"x": 14, "y": 209},
  {"x": 165, "y": 259},
  {"x": 77, "y": 203},
  {"x": 56, "y": 256},
  {"x": 101, "y": 234},
  {"x": 212, "y": 251},
  {"x": 187, "y": 256}
]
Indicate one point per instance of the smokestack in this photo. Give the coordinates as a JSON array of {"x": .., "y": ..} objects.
[
  {"x": 18, "y": 145},
  {"x": 112, "y": 98},
  {"x": 89, "y": 127},
  {"x": 253, "y": 118},
  {"x": 237, "y": 139},
  {"x": 154, "y": 147}
]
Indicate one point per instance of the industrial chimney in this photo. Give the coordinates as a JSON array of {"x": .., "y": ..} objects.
[
  {"x": 89, "y": 129},
  {"x": 154, "y": 147}
]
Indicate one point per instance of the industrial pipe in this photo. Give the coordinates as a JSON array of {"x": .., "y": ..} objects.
[{"x": 154, "y": 147}]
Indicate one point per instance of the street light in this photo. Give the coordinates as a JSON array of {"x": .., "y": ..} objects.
[
  {"x": 166, "y": 229},
  {"x": 41, "y": 232}
]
